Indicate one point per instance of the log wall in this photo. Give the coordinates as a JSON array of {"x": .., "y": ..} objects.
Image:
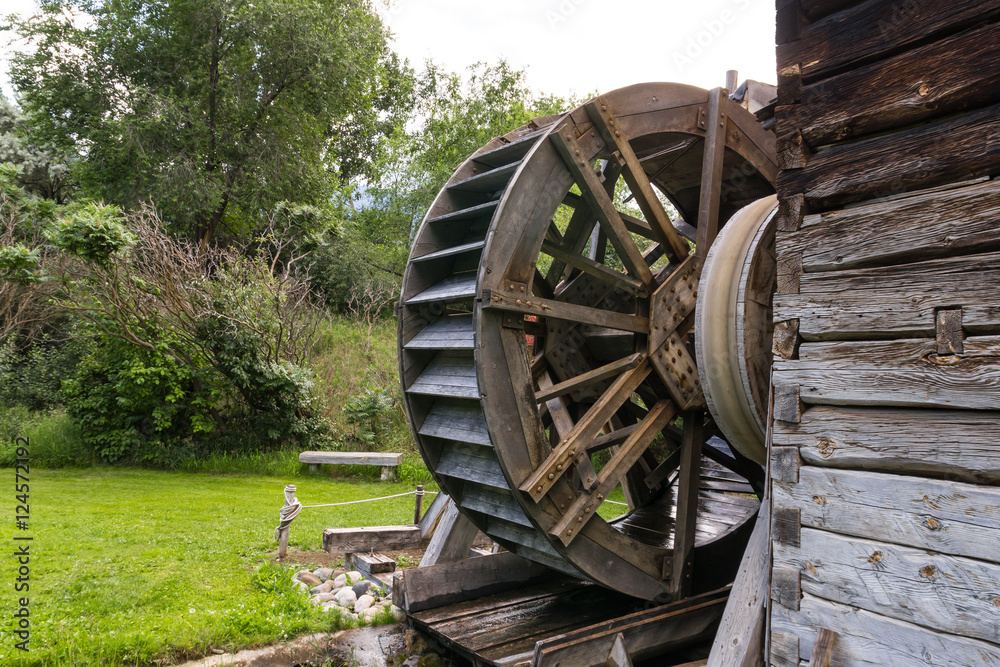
[{"x": 886, "y": 442}]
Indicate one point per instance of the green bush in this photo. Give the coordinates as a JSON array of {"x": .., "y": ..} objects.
[
  {"x": 139, "y": 405},
  {"x": 33, "y": 378}
]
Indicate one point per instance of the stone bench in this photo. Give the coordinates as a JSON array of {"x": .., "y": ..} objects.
[{"x": 388, "y": 462}]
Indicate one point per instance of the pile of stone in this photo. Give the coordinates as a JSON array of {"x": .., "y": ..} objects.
[{"x": 349, "y": 594}]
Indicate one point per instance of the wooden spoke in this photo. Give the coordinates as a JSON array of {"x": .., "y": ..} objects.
[
  {"x": 585, "y": 430},
  {"x": 600, "y": 113},
  {"x": 601, "y": 204},
  {"x": 616, "y": 437},
  {"x": 520, "y": 303},
  {"x": 595, "y": 269},
  {"x": 582, "y": 223},
  {"x": 585, "y": 506},
  {"x": 590, "y": 378}
]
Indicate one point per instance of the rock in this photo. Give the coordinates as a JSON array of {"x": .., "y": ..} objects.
[
  {"x": 361, "y": 587},
  {"x": 317, "y": 590},
  {"x": 326, "y": 597},
  {"x": 346, "y": 597},
  {"x": 340, "y": 581},
  {"x": 304, "y": 587},
  {"x": 364, "y": 602},
  {"x": 412, "y": 661},
  {"x": 368, "y": 615},
  {"x": 330, "y": 605},
  {"x": 354, "y": 577},
  {"x": 315, "y": 600},
  {"x": 326, "y": 586},
  {"x": 397, "y": 613},
  {"x": 308, "y": 577},
  {"x": 323, "y": 573}
]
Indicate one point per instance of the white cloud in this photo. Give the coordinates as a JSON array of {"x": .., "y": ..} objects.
[{"x": 578, "y": 46}]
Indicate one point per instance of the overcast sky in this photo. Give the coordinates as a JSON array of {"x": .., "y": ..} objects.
[{"x": 581, "y": 46}]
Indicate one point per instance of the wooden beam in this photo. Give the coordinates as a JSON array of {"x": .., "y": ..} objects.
[
  {"x": 562, "y": 310},
  {"x": 822, "y": 651},
  {"x": 596, "y": 269},
  {"x": 646, "y": 633},
  {"x": 934, "y": 515},
  {"x": 616, "y": 437},
  {"x": 739, "y": 641},
  {"x": 688, "y": 482},
  {"x": 602, "y": 205},
  {"x": 585, "y": 506},
  {"x": 861, "y": 634},
  {"x": 583, "y": 221},
  {"x": 585, "y": 430},
  {"x": 711, "y": 174},
  {"x": 958, "y": 444},
  {"x": 421, "y": 588},
  {"x": 589, "y": 378},
  {"x": 452, "y": 538},
  {"x": 604, "y": 120},
  {"x": 382, "y": 538},
  {"x": 938, "y": 591}
]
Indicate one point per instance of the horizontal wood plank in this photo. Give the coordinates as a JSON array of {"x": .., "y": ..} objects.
[
  {"x": 865, "y": 639},
  {"x": 927, "y": 225},
  {"x": 352, "y": 458},
  {"x": 941, "y": 592},
  {"x": 371, "y": 538},
  {"x": 944, "y": 77},
  {"x": 958, "y": 444},
  {"x": 872, "y": 30},
  {"x": 906, "y": 373},
  {"x": 937, "y": 515},
  {"x": 423, "y": 588},
  {"x": 956, "y": 148}
]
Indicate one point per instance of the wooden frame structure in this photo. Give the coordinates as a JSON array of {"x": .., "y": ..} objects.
[
  {"x": 581, "y": 332},
  {"x": 887, "y": 403}
]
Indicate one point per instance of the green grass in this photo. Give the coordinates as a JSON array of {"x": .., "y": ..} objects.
[{"x": 133, "y": 567}]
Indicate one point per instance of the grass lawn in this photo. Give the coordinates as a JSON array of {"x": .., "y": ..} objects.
[{"x": 142, "y": 567}]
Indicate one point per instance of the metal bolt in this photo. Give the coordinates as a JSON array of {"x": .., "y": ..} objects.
[{"x": 552, "y": 476}]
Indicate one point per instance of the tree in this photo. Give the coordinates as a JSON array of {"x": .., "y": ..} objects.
[
  {"x": 214, "y": 110},
  {"x": 43, "y": 171},
  {"x": 455, "y": 116}
]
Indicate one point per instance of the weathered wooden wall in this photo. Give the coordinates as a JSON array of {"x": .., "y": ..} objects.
[{"x": 886, "y": 457}]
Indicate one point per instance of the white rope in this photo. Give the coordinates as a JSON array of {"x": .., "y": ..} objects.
[
  {"x": 615, "y": 502},
  {"x": 371, "y": 500}
]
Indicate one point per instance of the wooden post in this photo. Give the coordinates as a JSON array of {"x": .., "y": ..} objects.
[
  {"x": 732, "y": 80},
  {"x": 283, "y": 542},
  {"x": 419, "y": 504},
  {"x": 286, "y": 515}
]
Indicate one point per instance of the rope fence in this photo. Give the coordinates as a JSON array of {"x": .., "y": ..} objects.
[{"x": 290, "y": 510}]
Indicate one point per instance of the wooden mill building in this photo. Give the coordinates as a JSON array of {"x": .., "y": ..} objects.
[{"x": 886, "y": 432}]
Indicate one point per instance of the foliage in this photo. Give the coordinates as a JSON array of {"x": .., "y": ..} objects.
[
  {"x": 454, "y": 116},
  {"x": 32, "y": 377},
  {"x": 195, "y": 348},
  {"x": 26, "y": 311},
  {"x": 216, "y": 110},
  {"x": 42, "y": 170},
  {"x": 94, "y": 232},
  {"x": 368, "y": 412}
]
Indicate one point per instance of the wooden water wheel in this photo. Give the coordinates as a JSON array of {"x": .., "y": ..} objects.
[{"x": 559, "y": 339}]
